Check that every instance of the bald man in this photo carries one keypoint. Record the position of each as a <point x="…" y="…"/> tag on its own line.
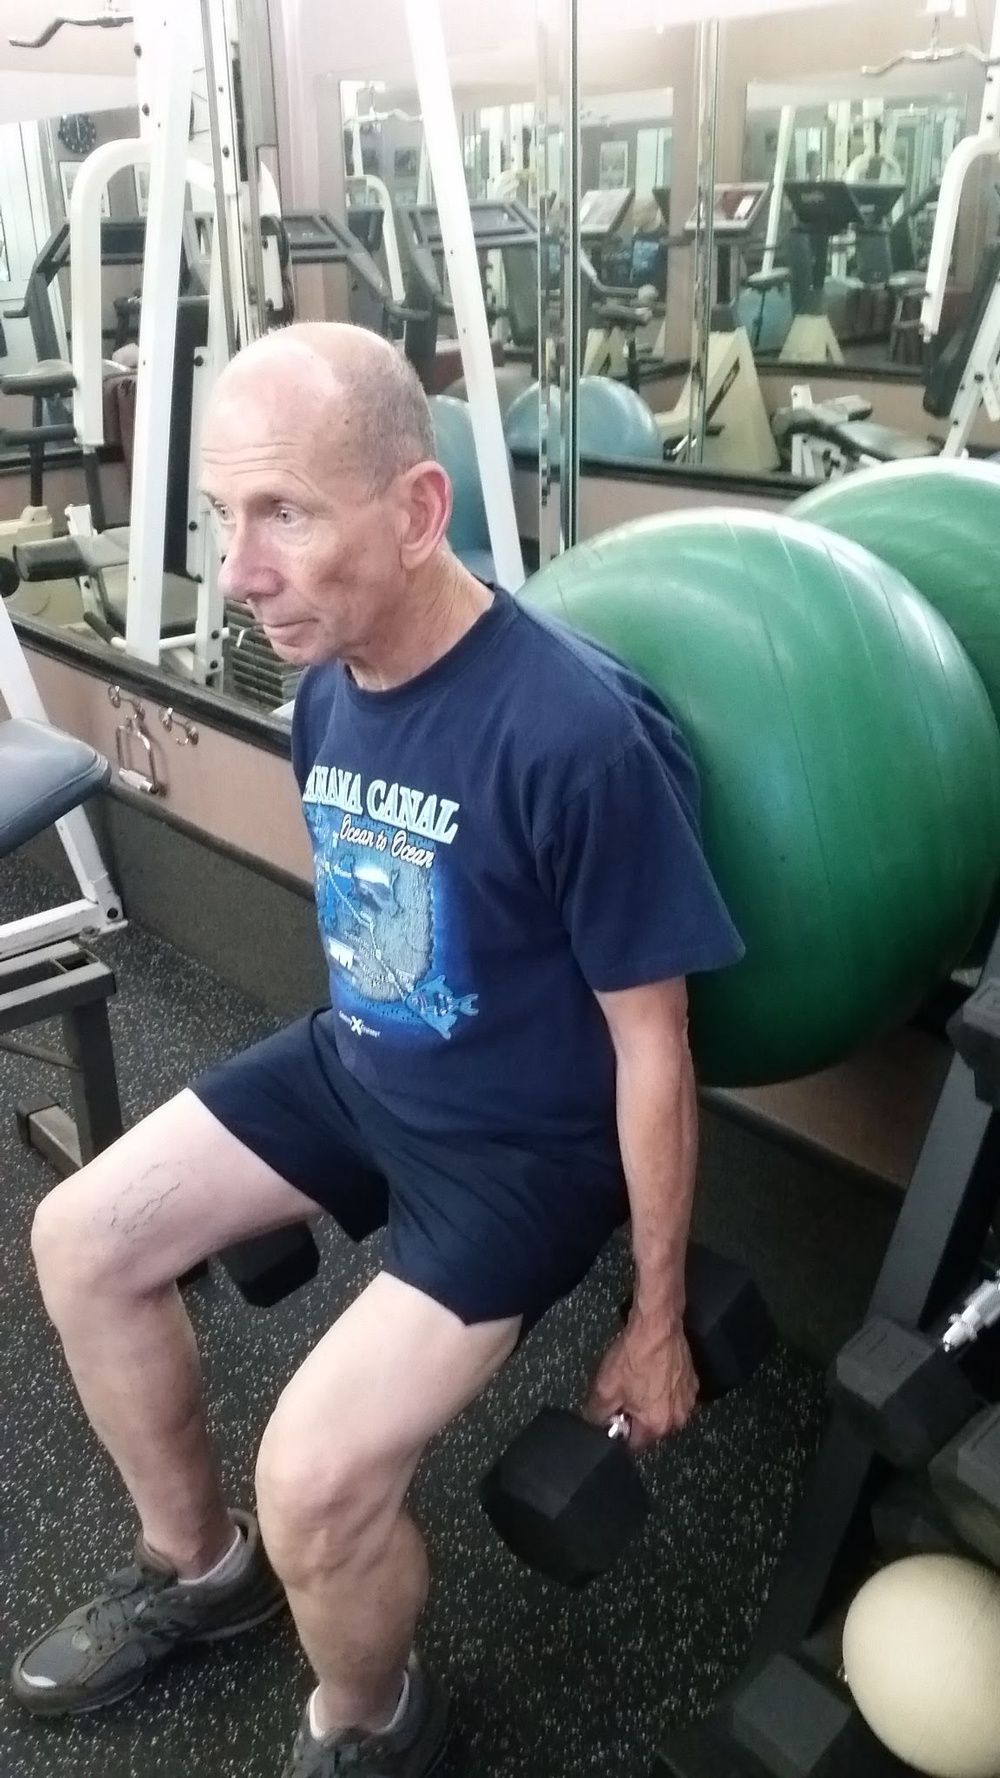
<point x="511" y="892"/>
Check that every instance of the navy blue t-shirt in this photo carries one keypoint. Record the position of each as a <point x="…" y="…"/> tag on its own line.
<point x="494" y="840"/>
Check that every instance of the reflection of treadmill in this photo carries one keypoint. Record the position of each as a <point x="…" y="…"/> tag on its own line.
<point x="825" y="208"/>
<point x="737" y="429"/>
<point x="316" y="238"/>
<point x="602" y="215"/>
<point x="872" y="243"/>
<point x="735" y="210"/>
<point x="620" y="286"/>
<point x="603" y="212"/>
<point x="367" y="224"/>
<point x="875" y="200"/>
<point x="498" y="225"/>
<point x="122" y="243"/>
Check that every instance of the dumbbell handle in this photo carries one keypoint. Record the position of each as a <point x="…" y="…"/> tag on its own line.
<point x="979" y="1313"/>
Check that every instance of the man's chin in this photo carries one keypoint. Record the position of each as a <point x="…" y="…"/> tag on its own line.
<point x="292" y="642"/>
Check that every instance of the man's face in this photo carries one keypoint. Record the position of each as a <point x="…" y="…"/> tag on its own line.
<point x="306" y="545"/>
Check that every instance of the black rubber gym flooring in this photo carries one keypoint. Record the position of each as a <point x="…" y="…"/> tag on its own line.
<point x="547" y="1684"/>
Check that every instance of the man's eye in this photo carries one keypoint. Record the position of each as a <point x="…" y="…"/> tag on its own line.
<point x="287" y="515"/>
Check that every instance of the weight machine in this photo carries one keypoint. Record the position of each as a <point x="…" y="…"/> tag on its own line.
<point x="98" y="908"/>
<point x="241" y="293"/>
<point x="980" y="381"/>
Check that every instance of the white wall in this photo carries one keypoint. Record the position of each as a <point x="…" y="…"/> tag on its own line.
<point x="72" y="52"/>
<point x="27" y="97"/>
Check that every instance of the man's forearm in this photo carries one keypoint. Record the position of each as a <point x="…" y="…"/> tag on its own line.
<point x="658" y="1133"/>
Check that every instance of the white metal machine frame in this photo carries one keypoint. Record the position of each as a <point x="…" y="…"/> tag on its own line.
<point x="980" y="386"/>
<point x="99" y="906"/>
<point x="169" y="47"/>
<point x="444" y="151"/>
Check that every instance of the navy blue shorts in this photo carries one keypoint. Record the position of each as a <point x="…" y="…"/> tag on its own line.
<point x="489" y="1229"/>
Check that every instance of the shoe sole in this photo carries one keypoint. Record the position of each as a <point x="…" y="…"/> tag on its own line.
<point x="40" y="1704"/>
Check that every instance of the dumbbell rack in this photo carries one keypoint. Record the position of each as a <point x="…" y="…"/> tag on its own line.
<point x="940" y="1233"/>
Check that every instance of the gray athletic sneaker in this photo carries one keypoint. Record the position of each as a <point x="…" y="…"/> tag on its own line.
<point x="105" y="1650"/>
<point x="411" y="1751"/>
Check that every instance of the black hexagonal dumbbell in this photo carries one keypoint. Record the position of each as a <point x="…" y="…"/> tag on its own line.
<point x="965" y="1477"/>
<point x="908" y="1520"/>
<point x="565" y="1496"/>
<point x="903" y="1390"/>
<point x="797" y="1720"/>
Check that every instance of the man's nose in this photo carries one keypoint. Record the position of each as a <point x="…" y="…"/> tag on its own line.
<point x="243" y="575"/>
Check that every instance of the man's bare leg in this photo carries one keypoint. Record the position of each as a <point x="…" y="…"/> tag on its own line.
<point x="335" y="1464"/>
<point x="109" y="1243"/>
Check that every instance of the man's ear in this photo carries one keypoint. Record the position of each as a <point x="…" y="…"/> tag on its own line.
<point x="427" y="502"/>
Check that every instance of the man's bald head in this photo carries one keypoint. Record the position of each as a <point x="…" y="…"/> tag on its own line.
<point x="357" y="397"/>
<point x="331" y="512"/>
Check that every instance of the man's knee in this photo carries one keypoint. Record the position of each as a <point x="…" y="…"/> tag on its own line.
<point x="73" y="1252"/>
<point x="324" y="1492"/>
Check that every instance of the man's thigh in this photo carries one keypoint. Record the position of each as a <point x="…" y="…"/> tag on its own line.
<point x="392" y="1372"/>
<point x="173" y="1190"/>
<point x="258" y="1143"/>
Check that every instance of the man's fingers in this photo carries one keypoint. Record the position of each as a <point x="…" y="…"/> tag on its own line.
<point x="599" y="1409"/>
<point x="647" y="1433"/>
<point x="641" y="1438"/>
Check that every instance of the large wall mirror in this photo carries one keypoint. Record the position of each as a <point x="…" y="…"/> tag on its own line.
<point x="782" y="285"/>
<point x="859" y="177"/>
<point x="702" y="248"/>
<point x="40" y="160"/>
<point x="620" y="190"/>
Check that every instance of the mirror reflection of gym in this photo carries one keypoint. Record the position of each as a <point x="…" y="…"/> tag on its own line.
<point x="865" y="296"/>
<point x="835" y="337"/>
<point x="809" y="361"/>
<point x="858" y="180"/>
<point x="39" y="163"/>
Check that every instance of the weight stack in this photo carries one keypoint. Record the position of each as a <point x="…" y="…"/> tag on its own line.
<point x="254" y="673"/>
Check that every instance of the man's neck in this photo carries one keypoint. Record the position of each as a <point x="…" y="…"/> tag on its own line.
<point x="441" y="612"/>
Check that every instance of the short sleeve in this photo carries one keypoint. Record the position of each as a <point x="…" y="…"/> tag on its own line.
<point x="624" y="864"/>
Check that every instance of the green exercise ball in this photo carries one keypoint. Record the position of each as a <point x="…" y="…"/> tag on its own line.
<point x="849" y="761"/>
<point x="938" y="521"/>
<point x="455" y="449"/>
<point x="612" y="422"/>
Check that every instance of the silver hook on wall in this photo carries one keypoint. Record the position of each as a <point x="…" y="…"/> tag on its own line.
<point x="108" y="20"/>
<point x="936" y="51"/>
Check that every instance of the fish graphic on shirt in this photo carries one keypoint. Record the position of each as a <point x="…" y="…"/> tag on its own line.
<point x="435" y="1003"/>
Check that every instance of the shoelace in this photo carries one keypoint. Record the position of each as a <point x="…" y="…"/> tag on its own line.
<point x="114" y="1613"/>
<point x="345" y="1757"/>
